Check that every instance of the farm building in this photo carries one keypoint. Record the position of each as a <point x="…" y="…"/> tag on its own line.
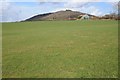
<point x="85" y="17"/>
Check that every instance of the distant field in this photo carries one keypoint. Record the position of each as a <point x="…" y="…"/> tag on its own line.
<point x="82" y="49"/>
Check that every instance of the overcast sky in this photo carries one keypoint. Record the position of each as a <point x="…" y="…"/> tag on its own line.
<point x="17" y="10"/>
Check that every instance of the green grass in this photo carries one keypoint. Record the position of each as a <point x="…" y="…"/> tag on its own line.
<point x="0" y="51"/>
<point x="60" y="49"/>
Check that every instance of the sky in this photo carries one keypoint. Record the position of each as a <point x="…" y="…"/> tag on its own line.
<point x="17" y="10"/>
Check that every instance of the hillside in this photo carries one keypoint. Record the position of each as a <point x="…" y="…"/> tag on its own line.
<point x="59" y="15"/>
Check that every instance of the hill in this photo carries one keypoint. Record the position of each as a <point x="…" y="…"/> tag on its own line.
<point x="60" y="15"/>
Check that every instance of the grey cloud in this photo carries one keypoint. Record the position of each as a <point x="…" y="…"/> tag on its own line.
<point x="9" y="12"/>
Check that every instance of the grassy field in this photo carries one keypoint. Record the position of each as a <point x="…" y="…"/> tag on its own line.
<point x="60" y="49"/>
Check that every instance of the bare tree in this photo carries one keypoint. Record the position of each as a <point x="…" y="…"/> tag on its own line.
<point x="118" y="7"/>
<point x="116" y="11"/>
